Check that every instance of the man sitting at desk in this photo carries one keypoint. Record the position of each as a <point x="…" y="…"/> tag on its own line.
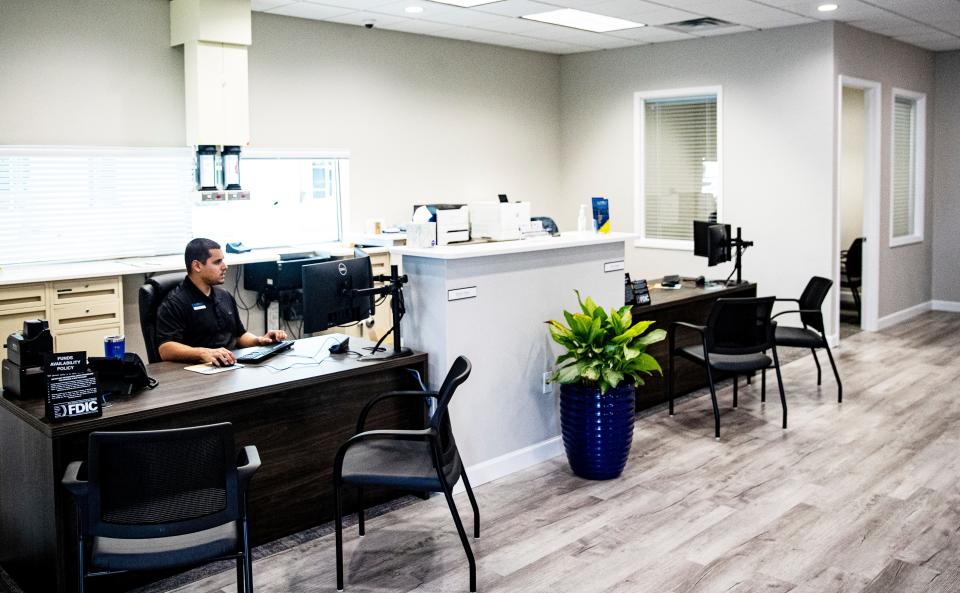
<point x="198" y="322"/>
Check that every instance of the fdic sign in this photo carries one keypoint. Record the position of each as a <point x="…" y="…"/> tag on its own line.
<point x="72" y="391"/>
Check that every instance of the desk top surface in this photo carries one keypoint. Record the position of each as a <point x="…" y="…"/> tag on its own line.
<point x="662" y="298"/>
<point x="181" y="390"/>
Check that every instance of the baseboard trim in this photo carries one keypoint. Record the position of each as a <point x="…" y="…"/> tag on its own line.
<point x="951" y="306"/>
<point x="514" y="461"/>
<point x="901" y="316"/>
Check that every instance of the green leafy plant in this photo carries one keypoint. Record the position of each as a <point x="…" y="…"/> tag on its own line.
<point x="603" y="349"/>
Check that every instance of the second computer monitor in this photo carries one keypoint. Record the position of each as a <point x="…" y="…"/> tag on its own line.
<point x="712" y="241"/>
<point x="327" y="298"/>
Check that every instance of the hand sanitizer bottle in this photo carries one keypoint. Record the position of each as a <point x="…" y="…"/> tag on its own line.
<point x="583" y="219"/>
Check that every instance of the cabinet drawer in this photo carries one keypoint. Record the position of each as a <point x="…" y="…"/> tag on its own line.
<point x="21" y="297"/>
<point x="89" y="341"/>
<point x="80" y="315"/>
<point x="72" y="291"/>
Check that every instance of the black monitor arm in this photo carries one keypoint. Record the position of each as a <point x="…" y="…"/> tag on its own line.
<point x="740" y="245"/>
<point x="392" y="286"/>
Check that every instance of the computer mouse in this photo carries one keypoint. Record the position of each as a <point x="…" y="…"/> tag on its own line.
<point x="340" y="347"/>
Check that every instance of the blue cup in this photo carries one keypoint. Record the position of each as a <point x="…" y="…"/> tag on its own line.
<point x="114" y="347"/>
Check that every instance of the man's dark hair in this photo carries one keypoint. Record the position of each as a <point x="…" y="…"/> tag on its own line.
<point x="199" y="250"/>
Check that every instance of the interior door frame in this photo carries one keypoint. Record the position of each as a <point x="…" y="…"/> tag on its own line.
<point x="870" y="297"/>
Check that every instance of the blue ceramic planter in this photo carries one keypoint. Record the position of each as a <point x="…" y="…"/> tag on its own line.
<point x="597" y="429"/>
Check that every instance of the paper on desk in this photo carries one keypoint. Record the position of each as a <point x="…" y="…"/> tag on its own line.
<point x="208" y="368"/>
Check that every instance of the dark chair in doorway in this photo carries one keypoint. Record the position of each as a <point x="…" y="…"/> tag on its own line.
<point x="812" y="334"/>
<point x="162" y="499"/>
<point x="734" y="341"/>
<point x="151" y="295"/>
<point x="415" y="460"/>
<point x="851" y="271"/>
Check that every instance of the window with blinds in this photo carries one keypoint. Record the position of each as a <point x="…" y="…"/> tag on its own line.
<point x="906" y="217"/>
<point x="679" y="164"/>
<point x="88" y="203"/>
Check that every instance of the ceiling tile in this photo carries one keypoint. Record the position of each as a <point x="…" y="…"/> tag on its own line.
<point x="362" y="17"/>
<point x="414" y="26"/>
<point x="652" y="35"/>
<point x="308" y="10"/>
<point x="556" y="47"/>
<point x="263" y="5"/>
<point x="724" y="31"/>
<point x="351" y="4"/>
<point x="516" y="7"/>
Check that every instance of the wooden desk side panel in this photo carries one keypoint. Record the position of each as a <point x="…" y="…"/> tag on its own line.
<point x="687" y="375"/>
<point x="28" y="526"/>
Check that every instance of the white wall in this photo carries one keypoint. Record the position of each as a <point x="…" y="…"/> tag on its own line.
<point x="905" y="272"/>
<point x="777" y="127"/>
<point x="946" y="180"/>
<point x="852" y="154"/>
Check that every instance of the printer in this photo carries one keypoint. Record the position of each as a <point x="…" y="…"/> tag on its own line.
<point x="453" y="222"/>
<point x="499" y="221"/>
<point x="22" y="369"/>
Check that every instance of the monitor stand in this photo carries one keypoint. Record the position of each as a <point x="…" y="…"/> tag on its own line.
<point x="393" y="285"/>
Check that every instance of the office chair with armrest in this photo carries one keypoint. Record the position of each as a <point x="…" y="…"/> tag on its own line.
<point x="734" y="341"/>
<point x="162" y="499"/>
<point x="812" y="335"/>
<point x="415" y="460"/>
<point x="150" y="296"/>
<point x="851" y="271"/>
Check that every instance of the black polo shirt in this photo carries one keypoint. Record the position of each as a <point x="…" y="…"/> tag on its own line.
<point x="190" y="317"/>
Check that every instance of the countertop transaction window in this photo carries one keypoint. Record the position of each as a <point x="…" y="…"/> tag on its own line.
<point x="678" y="164"/>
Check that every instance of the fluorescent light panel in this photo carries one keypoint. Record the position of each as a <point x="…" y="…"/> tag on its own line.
<point x="586" y="21"/>
<point x="466" y="3"/>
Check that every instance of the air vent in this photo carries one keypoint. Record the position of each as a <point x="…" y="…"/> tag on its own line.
<point x="706" y="23"/>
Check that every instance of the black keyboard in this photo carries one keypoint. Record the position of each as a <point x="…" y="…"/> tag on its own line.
<point x="261" y="353"/>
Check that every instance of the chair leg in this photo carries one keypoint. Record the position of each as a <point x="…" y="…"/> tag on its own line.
<point x="360" y="513"/>
<point x="81" y="578"/>
<point x="339" y="537"/>
<point x="716" y="409"/>
<point x="856" y="301"/>
<point x="668" y="384"/>
<point x="247" y="557"/>
<point x="763" y="386"/>
<point x="473" y="503"/>
<point x="783" y="397"/>
<point x="736" y="380"/>
<point x="750" y="379"/>
<point x="463" y="536"/>
<point x="241" y="575"/>
<point x="835" y="372"/>
<point x="816" y="360"/>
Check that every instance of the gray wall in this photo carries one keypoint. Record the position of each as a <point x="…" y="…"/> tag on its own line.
<point x="776" y="120"/>
<point x="905" y="271"/>
<point x="946" y="179"/>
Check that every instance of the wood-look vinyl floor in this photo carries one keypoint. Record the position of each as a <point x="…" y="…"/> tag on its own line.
<point x="862" y="497"/>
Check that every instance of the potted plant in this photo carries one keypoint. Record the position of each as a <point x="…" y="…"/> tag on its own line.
<point x="605" y="358"/>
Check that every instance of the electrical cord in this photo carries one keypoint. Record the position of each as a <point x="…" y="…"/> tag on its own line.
<point x="732" y="272"/>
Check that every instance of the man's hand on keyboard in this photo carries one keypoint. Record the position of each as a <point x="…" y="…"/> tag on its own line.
<point x="273" y="336"/>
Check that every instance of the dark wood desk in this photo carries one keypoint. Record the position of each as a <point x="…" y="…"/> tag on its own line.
<point x="296" y="417"/>
<point x="689" y="303"/>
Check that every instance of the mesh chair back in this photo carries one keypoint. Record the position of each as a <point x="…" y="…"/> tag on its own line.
<point x="812" y="298"/>
<point x="162" y="482"/>
<point x="440" y="421"/>
<point x="854" y="265"/>
<point x="150" y="296"/>
<point x="740" y="326"/>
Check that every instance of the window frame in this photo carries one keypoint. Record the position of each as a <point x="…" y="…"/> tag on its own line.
<point x="639" y="128"/>
<point x="919" y="161"/>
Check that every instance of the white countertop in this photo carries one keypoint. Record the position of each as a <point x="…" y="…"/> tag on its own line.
<point x="51" y="272"/>
<point x="566" y="240"/>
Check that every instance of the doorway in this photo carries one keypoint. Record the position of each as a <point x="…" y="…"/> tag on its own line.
<point x="856" y="271"/>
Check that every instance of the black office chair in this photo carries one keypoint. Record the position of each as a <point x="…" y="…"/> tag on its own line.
<point x="734" y="341"/>
<point x="812" y="334"/>
<point x="162" y="499"/>
<point x="151" y="295"/>
<point x="416" y="460"/>
<point x="851" y="271"/>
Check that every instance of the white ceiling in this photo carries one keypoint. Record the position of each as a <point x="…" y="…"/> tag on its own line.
<point x="930" y="24"/>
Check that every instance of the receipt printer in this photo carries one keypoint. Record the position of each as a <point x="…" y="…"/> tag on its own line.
<point x="22" y="372"/>
<point x="499" y="221"/>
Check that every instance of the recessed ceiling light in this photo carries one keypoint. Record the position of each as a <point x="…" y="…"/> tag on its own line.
<point x="827" y="7"/>
<point x="414" y="9"/>
<point x="579" y="19"/>
<point x="466" y="3"/>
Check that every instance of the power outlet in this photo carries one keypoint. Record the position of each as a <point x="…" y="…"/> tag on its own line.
<point x="546" y="387"/>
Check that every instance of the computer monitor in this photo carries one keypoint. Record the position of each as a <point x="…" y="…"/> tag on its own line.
<point x="327" y="300"/>
<point x="712" y="241"/>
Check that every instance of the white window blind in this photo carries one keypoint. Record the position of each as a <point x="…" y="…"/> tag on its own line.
<point x="88" y="203"/>
<point x="904" y="167"/>
<point x="680" y="165"/>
